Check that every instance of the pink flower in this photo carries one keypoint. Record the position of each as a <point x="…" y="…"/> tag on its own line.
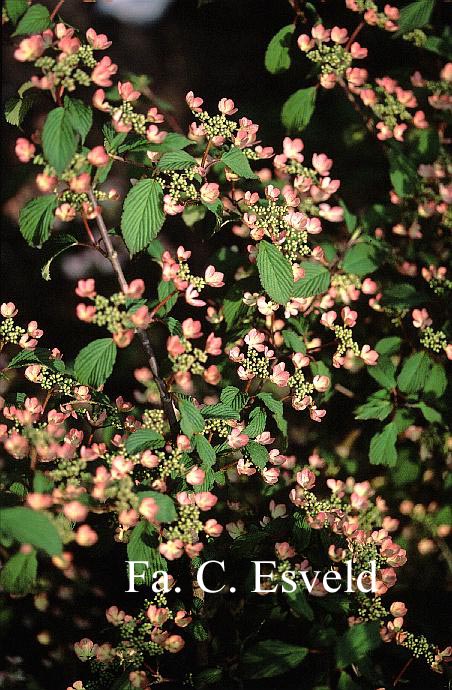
<point x="75" y="511"/>
<point x="103" y="71"/>
<point x="195" y="476"/>
<point x="191" y="329"/>
<point x="421" y="318"/>
<point x="349" y="316"/>
<point x="46" y="183"/>
<point x="270" y="475"/>
<point x="213" y="345"/>
<point x="339" y="35"/>
<point x="328" y="319"/>
<point x="24" y="150"/>
<point x="279" y="376"/>
<point x="213" y="277"/>
<point x="86" y="536"/>
<point x="30" y="49"/>
<point x="149" y="509"/>
<point x="419" y="120"/>
<point x="173" y="644"/>
<point x="284" y="550"/>
<point x="97" y="41"/>
<point x="98" y="156"/>
<point x="321" y="383"/>
<point x="370" y="357"/>
<point x="194" y="102"/>
<point x="237" y="439"/>
<point x="127" y="92"/>
<point x="305" y="43"/>
<point x="210" y="191"/>
<point x="212" y="375"/>
<point x="175" y="346"/>
<point x="8" y="310"/>
<point x="320" y="33"/>
<point x="292" y="148"/>
<point x="357" y="51"/>
<point x="398" y="609"/>
<point x="321" y="163"/>
<point x="227" y="106"/>
<point x="135" y="289"/>
<point x="172" y="550"/>
<point x="306" y="478"/>
<point x="81" y="183"/>
<point x="255" y="340"/>
<point x="315" y="414"/>
<point x="65" y="213"/>
<point x="399" y="131"/>
<point x="356" y="76"/>
<point x="86" y="288"/>
<point x="99" y="101"/>
<point x="85" y="649"/>
<point x="157" y="615"/>
<point x="328" y="81"/>
<point x="205" y="500"/>
<point x="69" y="45"/>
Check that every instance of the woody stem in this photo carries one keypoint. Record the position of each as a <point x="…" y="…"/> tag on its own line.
<point x="112" y="256"/>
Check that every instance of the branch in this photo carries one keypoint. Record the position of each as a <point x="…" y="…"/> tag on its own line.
<point x="112" y="256"/>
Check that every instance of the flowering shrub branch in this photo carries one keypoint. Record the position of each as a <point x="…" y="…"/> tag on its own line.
<point x="280" y="323"/>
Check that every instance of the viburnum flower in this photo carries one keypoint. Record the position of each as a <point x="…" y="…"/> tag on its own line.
<point x="97" y="41"/>
<point x="421" y="318"/>
<point x="30" y="49"/>
<point x="25" y="150"/>
<point x="104" y="70"/>
<point x="237" y="439"/>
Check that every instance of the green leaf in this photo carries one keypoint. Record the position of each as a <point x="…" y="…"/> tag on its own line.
<point x="436" y="383"/>
<point x="35" y="20"/>
<point x="167" y="510"/>
<point x="36" y="219"/>
<point x="17" y="108"/>
<point x="389" y="346"/>
<point x="270" y="658"/>
<point x="193" y="214"/>
<point x="191" y="420"/>
<point x="236" y="160"/>
<point x="18" y="575"/>
<point x="15" y="9"/>
<point x="29" y="526"/>
<point x="258" y="454"/>
<point x="441" y="45"/>
<point x="142" y="546"/>
<point x="383" y="447"/>
<point x="256" y="423"/>
<point x="383" y="373"/>
<point x="351" y="221"/>
<point x="80" y="116"/>
<point x="95" y="362"/>
<point x="59" y="141"/>
<point x="38" y="356"/>
<point x="276" y="407"/>
<point x="220" y="411"/>
<point x="277" y="58"/>
<point x="357" y="643"/>
<point x="205" y="451"/>
<point x="164" y="290"/>
<point x="316" y="280"/>
<point x="414" y="16"/>
<point x="361" y="259"/>
<point x="142" y="215"/>
<point x="403" y="173"/>
<point x="232" y="396"/>
<point x="275" y="272"/>
<point x="293" y="341"/>
<point x="298" y="602"/>
<point x="298" y="109"/>
<point x="415" y="373"/>
<point x="430" y="414"/>
<point x="176" y="160"/>
<point x="142" y="439"/>
<point x="61" y="243"/>
<point x="374" y="408"/>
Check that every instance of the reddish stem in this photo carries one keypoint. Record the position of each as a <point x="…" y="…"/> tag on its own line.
<point x="56" y="10"/>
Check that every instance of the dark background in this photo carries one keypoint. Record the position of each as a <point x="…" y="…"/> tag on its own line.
<point x="217" y="50"/>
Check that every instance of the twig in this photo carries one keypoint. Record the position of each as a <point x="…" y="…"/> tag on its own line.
<point x="354" y="35"/>
<point x="112" y="256"/>
<point x="401" y="673"/>
<point x="56" y="10"/>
